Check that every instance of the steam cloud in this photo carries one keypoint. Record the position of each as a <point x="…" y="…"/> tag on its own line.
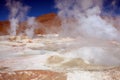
<point x="82" y="19"/>
<point x="87" y="19"/>
<point x="18" y="13"/>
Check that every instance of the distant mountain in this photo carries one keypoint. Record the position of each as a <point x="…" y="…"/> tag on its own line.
<point x="47" y="23"/>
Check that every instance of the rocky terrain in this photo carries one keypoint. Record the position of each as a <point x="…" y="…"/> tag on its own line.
<point x="45" y="57"/>
<point x="49" y="56"/>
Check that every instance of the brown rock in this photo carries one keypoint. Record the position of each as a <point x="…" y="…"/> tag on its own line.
<point x="32" y="75"/>
<point x="4" y="27"/>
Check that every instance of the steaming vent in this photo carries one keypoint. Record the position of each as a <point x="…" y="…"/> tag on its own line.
<point x="97" y="40"/>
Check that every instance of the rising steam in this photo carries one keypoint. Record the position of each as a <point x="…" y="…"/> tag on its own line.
<point x="82" y="19"/>
<point x="18" y="13"/>
<point x="87" y="19"/>
<point x="31" y="25"/>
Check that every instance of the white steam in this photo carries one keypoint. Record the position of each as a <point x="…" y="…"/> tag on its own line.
<point x="31" y="25"/>
<point x="17" y="14"/>
<point x="14" y="25"/>
<point x="87" y="19"/>
<point x="82" y="19"/>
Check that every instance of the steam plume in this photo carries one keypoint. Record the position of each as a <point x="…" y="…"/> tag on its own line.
<point x="31" y="25"/>
<point x="87" y="19"/>
<point x="17" y="14"/>
<point x="82" y="19"/>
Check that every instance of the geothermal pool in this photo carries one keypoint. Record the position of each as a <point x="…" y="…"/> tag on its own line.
<point x="76" y="57"/>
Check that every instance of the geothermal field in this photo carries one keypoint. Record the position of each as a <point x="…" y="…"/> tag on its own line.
<point x="58" y="54"/>
<point x="76" y="43"/>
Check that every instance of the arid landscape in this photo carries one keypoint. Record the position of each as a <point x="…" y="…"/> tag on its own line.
<point x="76" y="43"/>
<point x="48" y="56"/>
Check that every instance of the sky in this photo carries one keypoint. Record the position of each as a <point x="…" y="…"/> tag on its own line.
<point x="112" y="7"/>
<point x="37" y="8"/>
<point x="40" y="7"/>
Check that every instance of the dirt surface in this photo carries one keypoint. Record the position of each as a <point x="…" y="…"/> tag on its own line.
<point x="32" y="75"/>
<point x="50" y="57"/>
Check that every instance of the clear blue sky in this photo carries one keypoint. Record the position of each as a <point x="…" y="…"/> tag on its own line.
<point x="39" y="7"/>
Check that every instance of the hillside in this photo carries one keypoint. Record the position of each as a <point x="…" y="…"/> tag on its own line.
<point x="47" y="23"/>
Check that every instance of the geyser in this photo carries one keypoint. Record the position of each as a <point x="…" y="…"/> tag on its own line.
<point x="18" y="14"/>
<point x="82" y="19"/>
